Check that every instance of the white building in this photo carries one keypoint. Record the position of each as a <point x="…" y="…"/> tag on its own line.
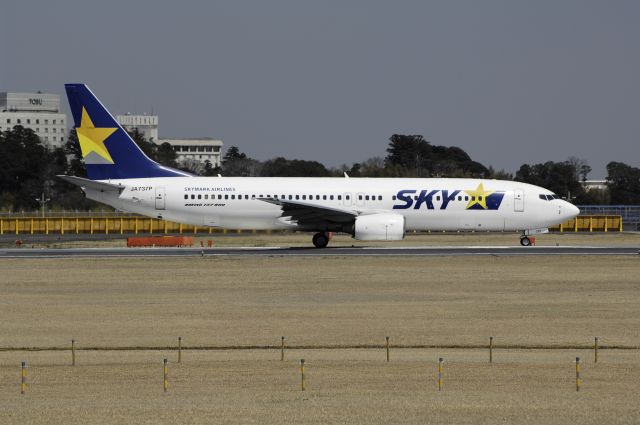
<point x="198" y="149"/>
<point x="201" y="149"/>
<point x="147" y="125"/>
<point x="595" y="184"/>
<point x="38" y="111"/>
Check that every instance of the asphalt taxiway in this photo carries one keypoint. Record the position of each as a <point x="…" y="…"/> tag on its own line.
<point x="304" y="251"/>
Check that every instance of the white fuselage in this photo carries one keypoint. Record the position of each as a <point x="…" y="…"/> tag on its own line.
<point x="426" y="204"/>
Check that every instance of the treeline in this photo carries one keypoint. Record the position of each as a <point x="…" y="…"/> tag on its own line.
<point x="28" y="168"/>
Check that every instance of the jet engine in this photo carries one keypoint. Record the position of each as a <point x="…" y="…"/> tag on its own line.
<point x="379" y="227"/>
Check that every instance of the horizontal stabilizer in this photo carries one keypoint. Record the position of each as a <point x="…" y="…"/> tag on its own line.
<point x="93" y="185"/>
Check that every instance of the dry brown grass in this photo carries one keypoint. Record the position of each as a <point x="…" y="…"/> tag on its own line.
<point x="550" y="300"/>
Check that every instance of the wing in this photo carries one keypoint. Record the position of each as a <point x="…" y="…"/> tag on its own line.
<point x="309" y="214"/>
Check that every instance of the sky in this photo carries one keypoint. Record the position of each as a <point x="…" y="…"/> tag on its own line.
<point x="510" y="82"/>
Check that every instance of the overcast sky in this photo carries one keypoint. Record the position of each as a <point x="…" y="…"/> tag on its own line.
<point x="508" y="81"/>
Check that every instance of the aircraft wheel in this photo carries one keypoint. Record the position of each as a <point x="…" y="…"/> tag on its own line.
<point x="320" y="240"/>
<point x="525" y="241"/>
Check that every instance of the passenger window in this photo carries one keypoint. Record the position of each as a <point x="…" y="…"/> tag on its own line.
<point x="324" y="197"/>
<point x="246" y="196"/>
<point x="193" y="196"/>
<point x="304" y="197"/>
<point x="297" y="197"/>
<point x="415" y="198"/>
<point x="366" y="198"/>
<point x="339" y="197"/>
<point x="479" y="198"/>
<point x="206" y="196"/>
<point x="317" y="197"/>
<point x="331" y="197"/>
<point x="437" y="198"/>
<point x="473" y="198"/>
<point x="360" y="197"/>
<point x="466" y="198"/>
<point x="379" y="197"/>
<point x="290" y="197"/>
<point x="186" y="196"/>
<point x="281" y="196"/>
<point x="393" y="197"/>
<point x="347" y="197"/>
<point x="226" y="196"/>
<point x="459" y="198"/>
<point x="233" y="196"/>
<point x="253" y="196"/>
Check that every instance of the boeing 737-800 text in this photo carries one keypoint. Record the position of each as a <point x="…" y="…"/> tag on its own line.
<point x="369" y="209"/>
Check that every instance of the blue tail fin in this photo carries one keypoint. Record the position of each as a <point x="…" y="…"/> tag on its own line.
<point x="108" y="151"/>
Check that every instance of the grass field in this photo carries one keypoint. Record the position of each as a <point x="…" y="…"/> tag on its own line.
<point x="549" y="301"/>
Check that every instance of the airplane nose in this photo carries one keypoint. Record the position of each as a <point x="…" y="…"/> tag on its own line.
<point x="570" y="210"/>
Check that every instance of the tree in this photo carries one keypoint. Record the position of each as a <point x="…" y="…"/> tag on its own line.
<point x="28" y="168"/>
<point x="559" y="177"/>
<point x="499" y="174"/>
<point x="624" y="183"/>
<point x="233" y="154"/>
<point x="236" y="163"/>
<point x="282" y="167"/>
<point x="193" y="166"/>
<point x="166" y="155"/>
<point x="23" y="167"/>
<point x="210" y="170"/>
<point x="149" y="148"/>
<point x="581" y="167"/>
<point x="74" y="154"/>
<point x="414" y="156"/>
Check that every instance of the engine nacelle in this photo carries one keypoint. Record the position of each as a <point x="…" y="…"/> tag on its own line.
<point x="379" y="227"/>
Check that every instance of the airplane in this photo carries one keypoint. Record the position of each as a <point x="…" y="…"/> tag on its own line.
<point x="368" y="209"/>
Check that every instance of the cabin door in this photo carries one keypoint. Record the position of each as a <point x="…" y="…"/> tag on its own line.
<point x="518" y="201"/>
<point x="160" y="204"/>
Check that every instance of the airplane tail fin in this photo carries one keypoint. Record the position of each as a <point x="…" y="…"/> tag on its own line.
<point x="108" y="151"/>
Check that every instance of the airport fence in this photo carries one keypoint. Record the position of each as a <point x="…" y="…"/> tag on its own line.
<point x="493" y="350"/>
<point x="629" y="214"/>
<point x="134" y="225"/>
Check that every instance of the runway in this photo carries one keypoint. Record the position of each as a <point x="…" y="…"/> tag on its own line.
<point x="308" y="252"/>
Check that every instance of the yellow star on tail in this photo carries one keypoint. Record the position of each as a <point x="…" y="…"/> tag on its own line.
<point x="478" y="196"/>
<point x="92" y="138"/>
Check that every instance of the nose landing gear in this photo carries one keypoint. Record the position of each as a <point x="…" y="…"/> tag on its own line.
<point x="525" y="241"/>
<point x="320" y="240"/>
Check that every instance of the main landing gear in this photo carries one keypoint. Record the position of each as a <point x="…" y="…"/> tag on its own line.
<point x="525" y="241"/>
<point x="320" y="240"/>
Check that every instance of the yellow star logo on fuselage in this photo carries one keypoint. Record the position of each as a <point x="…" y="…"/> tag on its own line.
<point x="478" y="196"/>
<point x="92" y="138"/>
